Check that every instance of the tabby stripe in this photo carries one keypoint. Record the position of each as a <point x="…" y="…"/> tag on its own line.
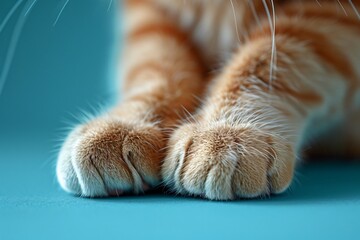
<point x="135" y="3"/>
<point x="162" y="29"/>
<point x="328" y="14"/>
<point x="169" y="31"/>
<point x="319" y="44"/>
<point x="280" y="87"/>
<point x="324" y="49"/>
<point x="148" y="66"/>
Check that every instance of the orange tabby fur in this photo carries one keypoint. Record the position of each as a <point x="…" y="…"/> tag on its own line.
<point x="266" y="86"/>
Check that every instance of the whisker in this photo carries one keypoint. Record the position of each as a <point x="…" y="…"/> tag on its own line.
<point x="273" y="51"/>
<point x="235" y="21"/>
<point x="61" y="11"/>
<point x="317" y="1"/>
<point x="110" y="5"/>
<point x="355" y="10"/>
<point x="272" y="22"/>
<point x="14" y="37"/>
<point x="255" y="14"/>
<point x="342" y="7"/>
<point x="30" y="7"/>
<point x="9" y="15"/>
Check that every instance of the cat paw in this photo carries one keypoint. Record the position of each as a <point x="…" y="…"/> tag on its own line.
<point x="225" y="162"/>
<point x="107" y="157"/>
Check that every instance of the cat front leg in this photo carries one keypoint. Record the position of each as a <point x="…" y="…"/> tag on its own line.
<point x="245" y="140"/>
<point x="121" y="151"/>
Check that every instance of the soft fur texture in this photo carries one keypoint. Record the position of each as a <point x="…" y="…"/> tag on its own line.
<point x="220" y="97"/>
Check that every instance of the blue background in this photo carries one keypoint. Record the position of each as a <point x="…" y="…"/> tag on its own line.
<point x="60" y="70"/>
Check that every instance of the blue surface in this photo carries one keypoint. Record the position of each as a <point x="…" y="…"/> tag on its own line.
<point x="60" y="69"/>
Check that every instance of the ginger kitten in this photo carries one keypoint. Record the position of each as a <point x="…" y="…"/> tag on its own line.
<point x="220" y="97"/>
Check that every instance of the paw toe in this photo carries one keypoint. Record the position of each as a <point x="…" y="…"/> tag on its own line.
<point x="225" y="162"/>
<point x="107" y="158"/>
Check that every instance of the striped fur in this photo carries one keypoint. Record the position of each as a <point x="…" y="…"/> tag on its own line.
<point x="220" y="98"/>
